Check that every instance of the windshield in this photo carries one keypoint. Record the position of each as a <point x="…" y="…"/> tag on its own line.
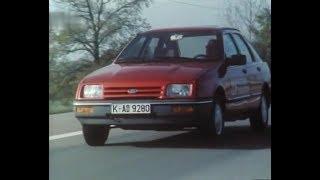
<point x="171" y="46"/>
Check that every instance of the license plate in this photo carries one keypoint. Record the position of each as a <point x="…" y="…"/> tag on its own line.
<point x="130" y="109"/>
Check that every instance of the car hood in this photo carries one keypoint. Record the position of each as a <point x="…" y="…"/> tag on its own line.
<point x="151" y="73"/>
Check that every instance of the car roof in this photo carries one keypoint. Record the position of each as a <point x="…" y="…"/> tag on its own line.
<point x="190" y="29"/>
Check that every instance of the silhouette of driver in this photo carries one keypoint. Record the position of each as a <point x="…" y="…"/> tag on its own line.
<point x="211" y="48"/>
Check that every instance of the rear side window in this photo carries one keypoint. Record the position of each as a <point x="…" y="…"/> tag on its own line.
<point x="254" y="52"/>
<point x="243" y="48"/>
<point x="229" y="47"/>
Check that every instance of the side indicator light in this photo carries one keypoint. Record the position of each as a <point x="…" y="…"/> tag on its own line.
<point x="182" y="109"/>
<point x="84" y="110"/>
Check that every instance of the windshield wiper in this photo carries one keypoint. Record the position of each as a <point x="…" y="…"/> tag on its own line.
<point x="172" y="58"/>
<point x="130" y="60"/>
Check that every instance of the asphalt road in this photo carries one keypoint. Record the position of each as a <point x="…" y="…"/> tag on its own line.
<point x="239" y="155"/>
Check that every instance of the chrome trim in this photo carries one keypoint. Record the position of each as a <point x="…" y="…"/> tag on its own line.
<point x="256" y="94"/>
<point x="244" y="96"/>
<point x="80" y="103"/>
<point x="239" y="97"/>
<point x="132" y="91"/>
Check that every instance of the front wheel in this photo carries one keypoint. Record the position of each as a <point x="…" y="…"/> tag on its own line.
<point x="259" y="121"/>
<point x="95" y="135"/>
<point x="214" y="126"/>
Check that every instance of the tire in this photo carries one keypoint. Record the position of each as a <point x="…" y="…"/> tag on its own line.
<point x="95" y="135"/>
<point x="214" y="125"/>
<point x="259" y="121"/>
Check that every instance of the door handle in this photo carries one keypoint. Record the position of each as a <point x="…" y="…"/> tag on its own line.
<point x="259" y="69"/>
<point x="244" y="71"/>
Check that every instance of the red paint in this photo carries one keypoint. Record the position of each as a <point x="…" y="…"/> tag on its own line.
<point x="157" y="75"/>
<point x="240" y="89"/>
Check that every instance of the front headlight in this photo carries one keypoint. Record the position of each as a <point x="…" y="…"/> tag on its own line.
<point x="93" y="91"/>
<point x="179" y="90"/>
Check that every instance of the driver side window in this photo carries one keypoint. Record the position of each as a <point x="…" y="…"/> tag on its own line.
<point x="229" y="47"/>
<point x="242" y="47"/>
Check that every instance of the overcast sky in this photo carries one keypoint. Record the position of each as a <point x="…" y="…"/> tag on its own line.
<point x="169" y="13"/>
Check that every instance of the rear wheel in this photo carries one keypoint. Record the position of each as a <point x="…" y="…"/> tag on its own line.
<point x="214" y="126"/>
<point x="259" y="121"/>
<point x="95" y="135"/>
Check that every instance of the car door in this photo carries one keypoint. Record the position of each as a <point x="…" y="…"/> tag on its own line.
<point x="254" y="66"/>
<point x="257" y="69"/>
<point x="237" y="83"/>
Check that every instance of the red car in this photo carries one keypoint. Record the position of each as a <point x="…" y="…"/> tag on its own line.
<point x="176" y="78"/>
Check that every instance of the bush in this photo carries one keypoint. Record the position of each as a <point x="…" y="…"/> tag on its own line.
<point x="63" y="81"/>
<point x="60" y="106"/>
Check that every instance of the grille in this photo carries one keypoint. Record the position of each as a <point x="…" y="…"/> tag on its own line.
<point x="141" y="92"/>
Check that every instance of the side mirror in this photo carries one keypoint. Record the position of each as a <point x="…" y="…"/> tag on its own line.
<point x="236" y="60"/>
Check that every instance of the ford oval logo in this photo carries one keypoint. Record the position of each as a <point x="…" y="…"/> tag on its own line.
<point x="132" y="91"/>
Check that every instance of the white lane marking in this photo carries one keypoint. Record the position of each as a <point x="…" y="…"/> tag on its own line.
<point x="54" y="137"/>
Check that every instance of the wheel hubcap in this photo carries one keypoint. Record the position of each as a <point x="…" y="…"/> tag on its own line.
<point x="264" y="110"/>
<point x="218" y="120"/>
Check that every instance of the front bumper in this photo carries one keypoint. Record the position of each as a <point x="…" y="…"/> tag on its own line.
<point x="162" y="113"/>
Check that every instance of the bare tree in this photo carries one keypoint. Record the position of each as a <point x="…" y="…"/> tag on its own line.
<point x="243" y="15"/>
<point x="104" y="22"/>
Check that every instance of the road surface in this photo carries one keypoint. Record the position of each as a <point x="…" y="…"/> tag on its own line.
<point x="150" y="155"/>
